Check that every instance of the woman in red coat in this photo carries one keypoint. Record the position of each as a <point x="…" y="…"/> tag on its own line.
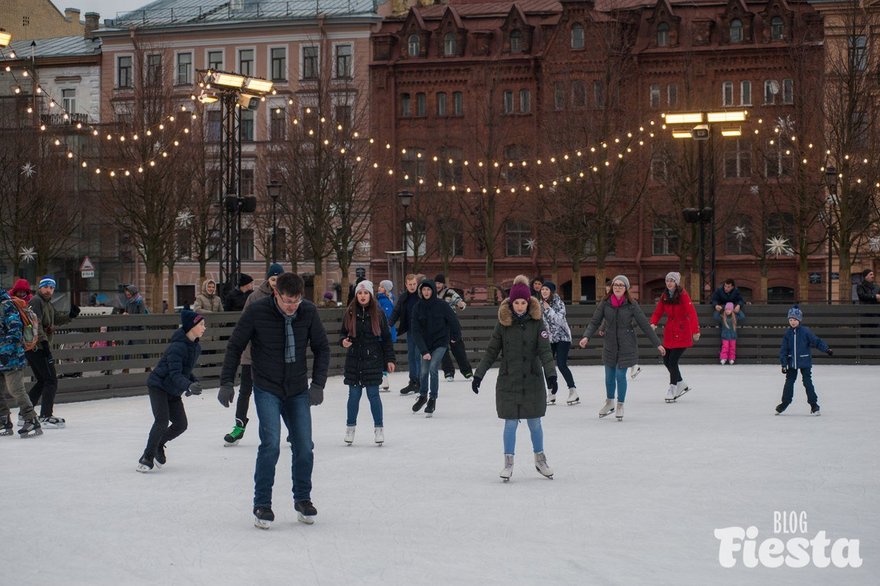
<point x="681" y="331"/>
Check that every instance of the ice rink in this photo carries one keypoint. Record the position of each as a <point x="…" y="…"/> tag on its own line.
<point x="632" y="502"/>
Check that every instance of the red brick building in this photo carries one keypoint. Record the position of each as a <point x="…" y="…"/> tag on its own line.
<point x="531" y="136"/>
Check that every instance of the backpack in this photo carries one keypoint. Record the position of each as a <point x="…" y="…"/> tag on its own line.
<point x="30" y="324"/>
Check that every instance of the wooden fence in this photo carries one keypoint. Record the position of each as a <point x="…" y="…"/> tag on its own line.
<point x="136" y="342"/>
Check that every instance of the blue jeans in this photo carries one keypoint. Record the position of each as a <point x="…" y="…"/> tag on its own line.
<point x="430" y="368"/>
<point x="414" y="359"/>
<point x="297" y="416"/>
<point x="806" y="379"/>
<point x="535" y="430"/>
<point x="354" y="403"/>
<point x="560" y="353"/>
<point x="614" y="375"/>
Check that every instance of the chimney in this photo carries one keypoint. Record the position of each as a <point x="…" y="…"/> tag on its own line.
<point x="72" y="14"/>
<point x="93" y="23"/>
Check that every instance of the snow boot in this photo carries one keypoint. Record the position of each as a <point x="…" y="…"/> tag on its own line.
<point x="607" y="408"/>
<point x="542" y="466"/>
<point x="670" y="394"/>
<point x="573" y="398"/>
<point x="30" y="428"/>
<point x="306" y="512"/>
<point x="619" y="413"/>
<point x="507" y="472"/>
<point x="233" y="437"/>
<point x="420" y="402"/>
<point x="379" y="435"/>
<point x="349" y="434"/>
<point x="429" y="408"/>
<point x="263" y="517"/>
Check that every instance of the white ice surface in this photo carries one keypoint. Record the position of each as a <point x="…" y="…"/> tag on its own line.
<point x="634" y="502"/>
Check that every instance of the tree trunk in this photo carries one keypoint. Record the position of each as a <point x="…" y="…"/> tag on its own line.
<point x="170" y="282"/>
<point x="803" y="280"/>
<point x="318" y="285"/>
<point x="154" y="290"/>
<point x="600" y="281"/>
<point x="695" y="286"/>
<point x="576" y="282"/>
<point x="762" y="293"/>
<point x="844" y="284"/>
<point x="491" y="294"/>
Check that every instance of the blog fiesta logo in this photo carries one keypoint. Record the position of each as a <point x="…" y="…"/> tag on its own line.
<point x="791" y="546"/>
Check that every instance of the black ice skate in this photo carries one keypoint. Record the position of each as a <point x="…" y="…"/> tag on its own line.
<point x="30" y="428"/>
<point x="429" y="408"/>
<point x="263" y="517"/>
<point x="305" y="512"/>
<point x="420" y="402"/>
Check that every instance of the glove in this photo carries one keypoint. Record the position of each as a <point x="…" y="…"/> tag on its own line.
<point x="475" y="384"/>
<point x="194" y="389"/>
<point x="829" y="352"/>
<point x="784" y="369"/>
<point x="226" y="394"/>
<point x="316" y="394"/>
<point x="552" y="383"/>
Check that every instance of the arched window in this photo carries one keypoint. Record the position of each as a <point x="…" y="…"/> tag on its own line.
<point x="516" y="41"/>
<point x="662" y="35"/>
<point x="736" y="31"/>
<point x="777" y="28"/>
<point x="415" y="45"/>
<point x="449" y="45"/>
<point x="577" y="36"/>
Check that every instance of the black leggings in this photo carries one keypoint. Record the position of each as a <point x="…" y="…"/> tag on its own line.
<point x="244" y="393"/>
<point x="166" y="408"/>
<point x="43" y="366"/>
<point x="673" y="355"/>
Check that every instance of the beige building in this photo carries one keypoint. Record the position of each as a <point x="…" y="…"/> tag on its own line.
<point x="39" y="19"/>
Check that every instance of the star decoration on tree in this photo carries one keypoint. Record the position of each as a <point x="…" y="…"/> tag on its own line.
<point x="739" y="232"/>
<point x="184" y="218"/>
<point x="531" y="244"/>
<point x="28" y="169"/>
<point x="779" y="246"/>
<point x="28" y="254"/>
<point x="874" y="243"/>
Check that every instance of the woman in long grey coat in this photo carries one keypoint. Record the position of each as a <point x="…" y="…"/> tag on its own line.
<point x="621" y="350"/>
<point x="526" y="360"/>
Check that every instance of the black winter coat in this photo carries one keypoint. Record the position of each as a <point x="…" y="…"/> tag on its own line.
<point x="402" y="314"/>
<point x="262" y="324"/>
<point x="235" y="300"/>
<point x="720" y="297"/>
<point x="368" y="355"/>
<point x="433" y="322"/>
<point x="174" y="373"/>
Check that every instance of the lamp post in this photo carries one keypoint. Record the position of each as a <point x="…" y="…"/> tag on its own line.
<point x="274" y="190"/>
<point x="405" y="199"/>
<point x="831" y="183"/>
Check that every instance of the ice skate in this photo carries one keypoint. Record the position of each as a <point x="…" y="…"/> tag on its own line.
<point x="542" y="466"/>
<point x="233" y="437"/>
<point x="607" y="409"/>
<point x="160" y="458"/>
<point x="305" y="512"/>
<point x="450" y="378"/>
<point x="573" y="398"/>
<point x="52" y="422"/>
<point x="429" y="408"/>
<point x="670" y="394"/>
<point x="349" y="434"/>
<point x="379" y="435"/>
<point x="412" y="387"/>
<point x="551" y="398"/>
<point x="145" y="464"/>
<point x="780" y="409"/>
<point x="619" y="413"/>
<point x="385" y="388"/>
<point x="6" y="427"/>
<point x="420" y="402"/>
<point x="681" y="388"/>
<point x="814" y="409"/>
<point x="30" y="428"/>
<point x="507" y="472"/>
<point x="263" y="517"/>
<point x="634" y="371"/>
<point x="731" y="361"/>
<point x="723" y="361"/>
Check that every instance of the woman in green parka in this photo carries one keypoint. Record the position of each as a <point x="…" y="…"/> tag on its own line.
<point x="526" y="360"/>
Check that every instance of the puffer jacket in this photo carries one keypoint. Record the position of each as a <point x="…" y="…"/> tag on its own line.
<point x="206" y="302"/>
<point x="174" y="373"/>
<point x="727" y="331"/>
<point x="796" y="344"/>
<point x="867" y="292"/>
<point x="49" y="317"/>
<point x="620" y="349"/>
<point x="526" y="361"/>
<point x="433" y="323"/>
<point x="261" y="292"/>
<point x="11" y="350"/>
<point x="388" y="307"/>
<point x="366" y="359"/>
<point x="681" y="319"/>
<point x="555" y="321"/>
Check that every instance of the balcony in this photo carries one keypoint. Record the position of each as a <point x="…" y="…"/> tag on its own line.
<point x="59" y="119"/>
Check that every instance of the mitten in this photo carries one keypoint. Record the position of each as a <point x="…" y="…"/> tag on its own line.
<point x="194" y="389"/>
<point x="316" y="394"/>
<point x="475" y="384"/>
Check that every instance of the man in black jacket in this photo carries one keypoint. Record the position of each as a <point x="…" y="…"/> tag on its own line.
<point x="279" y="328"/>
<point x="236" y="298"/>
<point x="727" y="293"/>
<point x="867" y="290"/>
<point x="401" y="318"/>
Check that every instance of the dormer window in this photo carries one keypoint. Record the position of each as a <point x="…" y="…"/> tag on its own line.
<point x="450" y="48"/>
<point x="516" y="44"/>
<point x="414" y="45"/>
<point x="736" y="31"/>
<point x="577" y="36"/>
<point x="777" y="28"/>
<point x="663" y="35"/>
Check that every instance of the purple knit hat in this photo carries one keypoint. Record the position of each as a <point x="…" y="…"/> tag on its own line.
<point x="520" y="291"/>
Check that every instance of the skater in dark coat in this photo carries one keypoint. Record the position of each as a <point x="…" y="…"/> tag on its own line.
<point x="366" y="336"/>
<point x="523" y="342"/>
<point x="402" y="316"/>
<point x="171" y="379"/>
<point x="794" y="355"/>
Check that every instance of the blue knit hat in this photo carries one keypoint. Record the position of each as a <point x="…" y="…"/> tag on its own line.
<point x="275" y="269"/>
<point x="796" y="313"/>
<point x="189" y="319"/>
<point x="47" y="281"/>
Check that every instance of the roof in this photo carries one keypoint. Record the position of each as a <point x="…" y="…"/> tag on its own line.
<point x="57" y="47"/>
<point x="189" y="12"/>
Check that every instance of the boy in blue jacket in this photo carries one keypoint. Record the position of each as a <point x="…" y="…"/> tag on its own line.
<point x="170" y="380"/>
<point x="795" y="355"/>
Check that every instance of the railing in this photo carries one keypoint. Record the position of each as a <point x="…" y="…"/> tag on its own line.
<point x="60" y="120"/>
<point x="242" y="10"/>
<point x="853" y="331"/>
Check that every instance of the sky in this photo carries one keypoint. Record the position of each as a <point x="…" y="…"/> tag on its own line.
<point x="106" y="8"/>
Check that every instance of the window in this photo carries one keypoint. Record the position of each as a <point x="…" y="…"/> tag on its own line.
<point x="405" y="105"/>
<point x="247" y="182"/>
<point x="771" y="88"/>
<point x="658" y="168"/>
<point x="654" y="95"/>
<point x="154" y="69"/>
<point x="414" y="164"/>
<point x="672" y="95"/>
<point x="68" y="101"/>
<point x="441" y="104"/>
<point x="277" y="124"/>
<point x="508" y="102"/>
<point x="516" y="42"/>
<point x="738" y="240"/>
<point x="421" y="104"/>
<point x="787" y="91"/>
<point x="451" y="168"/>
<point x="246" y="62"/>
<point x="213" y="124"/>
<point x="577" y="36"/>
<point x="512" y="170"/>
<point x="278" y="59"/>
<point x="780" y="159"/>
<point x="736" y="31"/>
<point x="781" y="224"/>
<point x="578" y="93"/>
<point x="516" y="234"/>
<point x="184" y="69"/>
<point x="450" y="236"/>
<point x="777" y="29"/>
<point x="558" y="96"/>
<point x="343" y="116"/>
<point x="599" y="93"/>
<point x="858" y="52"/>
<point x="662" y="35"/>
<point x="343" y="62"/>
<point x="310" y="62"/>
<point x="449" y="45"/>
<point x="414" y="46"/>
<point x="737" y="158"/>
<point x="281" y="243"/>
<point x="246" y="244"/>
<point x="525" y="101"/>
<point x="745" y="93"/>
<point x="247" y="125"/>
<point x="458" y="103"/>
<point x="727" y="93"/>
<point x="215" y="244"/>
<point x="664" y="237"/>
<point x="215" y="60"/>
<point x="416" y="238"/>
<point x="184" y="244"/>
<point x="123" y="72"/>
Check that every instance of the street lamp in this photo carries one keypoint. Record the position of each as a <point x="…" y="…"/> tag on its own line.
<point x="831" y="183"/>
<point x="405" y="199"/>
<point x="274" y="190"/>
